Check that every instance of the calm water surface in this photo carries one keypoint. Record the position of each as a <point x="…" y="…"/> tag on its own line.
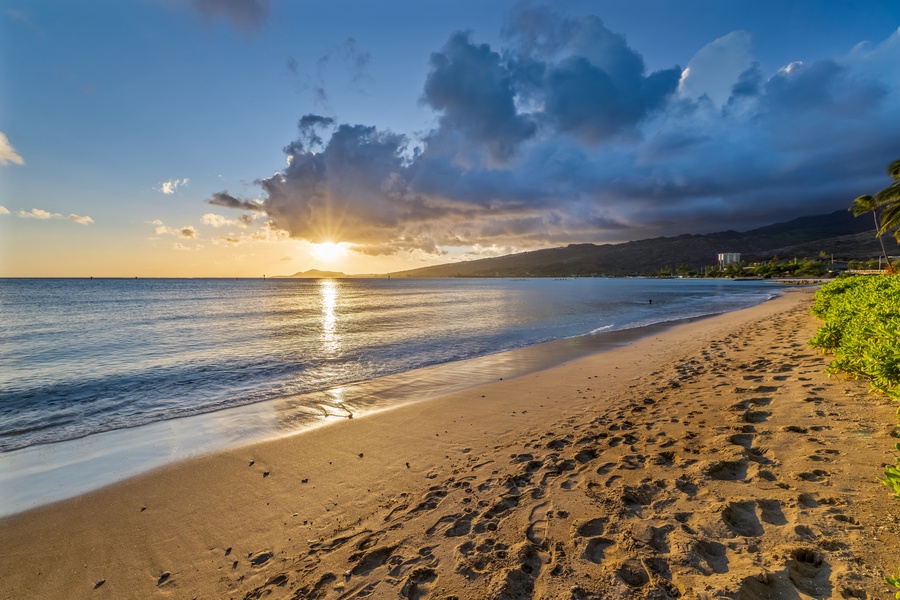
<point x="79" y="357"/>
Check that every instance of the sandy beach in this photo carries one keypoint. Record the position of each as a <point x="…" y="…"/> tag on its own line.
<point x="713" y="460"/>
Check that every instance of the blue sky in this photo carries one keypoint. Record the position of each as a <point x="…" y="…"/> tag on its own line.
<point x="433" y="131"/>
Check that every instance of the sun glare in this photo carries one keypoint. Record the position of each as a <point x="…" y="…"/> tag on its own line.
<point x="328" y="251"/>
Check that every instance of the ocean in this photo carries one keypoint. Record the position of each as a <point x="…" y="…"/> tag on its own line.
<point x="88" y="360"/>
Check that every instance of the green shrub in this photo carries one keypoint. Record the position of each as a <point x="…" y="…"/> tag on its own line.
<point x="862" y="329"/>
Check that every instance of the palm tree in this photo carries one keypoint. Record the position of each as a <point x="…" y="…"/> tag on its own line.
<point x="889" y="197"/>
<point x="865" y="204"/>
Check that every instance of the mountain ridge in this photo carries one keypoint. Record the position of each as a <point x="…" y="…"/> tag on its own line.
<point x="803" y="237"/>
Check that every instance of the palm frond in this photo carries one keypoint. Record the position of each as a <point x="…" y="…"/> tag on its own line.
<point x="862" y="205"/>
<point x="889" y="195"/>
<point x="890" y="218"/>
<point x="894" y="169"/>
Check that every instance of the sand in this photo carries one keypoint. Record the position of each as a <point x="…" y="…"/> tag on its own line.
<point x="715" y="459"/>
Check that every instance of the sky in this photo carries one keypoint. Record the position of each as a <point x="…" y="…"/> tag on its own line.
<point x="242" y="138"/>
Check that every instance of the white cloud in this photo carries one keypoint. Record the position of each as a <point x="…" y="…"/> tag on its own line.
<point x="4" y="210"/>
<point x="216" y="220"/>
<point x="186" y="231"/>
<point x="716" y="67"/>
<point x="85" y="220"/>
<point x="180" y="246"/>
<point x="8" y="154"/>
<point x="171" y="186"/>
<point x="37" y="213"/>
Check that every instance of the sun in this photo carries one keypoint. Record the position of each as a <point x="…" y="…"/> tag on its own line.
<point x="328" y="251"/>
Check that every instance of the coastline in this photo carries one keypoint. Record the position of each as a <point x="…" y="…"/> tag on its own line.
<point x="694" y="461"/>
<point x="42" y="474"/>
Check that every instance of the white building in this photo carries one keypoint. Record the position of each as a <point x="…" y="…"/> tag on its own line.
<point x="726" y="258"/>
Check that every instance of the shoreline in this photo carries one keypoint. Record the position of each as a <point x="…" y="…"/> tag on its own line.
<point x="694" y="461"/>
<point x="43" y="474"/>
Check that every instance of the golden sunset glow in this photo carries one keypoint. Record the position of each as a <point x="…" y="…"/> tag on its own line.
<point x="328" y="251"/>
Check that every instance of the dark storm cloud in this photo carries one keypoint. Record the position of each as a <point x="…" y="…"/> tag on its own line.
<point x="749" y="83"/>
<point x="823" y="85"/>
<point x="564" y="136"/>
<point x="245" y="15"/>
<point x="470" y="84"/>
<point x="588" y="102"/>
<point x="228" y="201"/>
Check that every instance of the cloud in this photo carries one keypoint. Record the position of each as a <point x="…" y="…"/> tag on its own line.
<point x="355" y="61"/>
<point x="717" y="68"/>
<point x="218" y="221"/>
<point x="228" y="201"/>
<point x="8" y="154"/>
<point x="593" y="85"/>
<point x="474" y="89"/>
<point x="40" y="214"/>
<point x="186" y="231"/>
<point x="247" y="16"/>
<point x="4" y="210"/>
<point x="171" y="186"/>
<point x="562" y="135"/>
<point x="37" y="213"/>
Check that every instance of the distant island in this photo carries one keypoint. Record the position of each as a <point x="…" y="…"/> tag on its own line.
<point x="314" y="274"/>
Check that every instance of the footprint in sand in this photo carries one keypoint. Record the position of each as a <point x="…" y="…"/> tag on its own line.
<point x="741" y="439"/>
<point x="727" y="470"/>
<point x="765" y="585"/>
<point x="756" y="416"/>
<point x="713" y="555"/>
<point x="416" y="585"/>
<point x="760" y="456"/>
<point x="741" y="519"/>
<point x="261" y="559"/>
<point x="633" y="573"/>
<point x="632" y="462"/>
<point x="771" y="513"/>
<point x="816" y="475"/>
<point x="369" y="561"/>
<point x="595" y="550"/>
<point x="809" y="572"/>
<point x="664" y="459"/>
<point x="606" y="468"/>
<point x="592" y="528"/>
<point x="538" y="525"/>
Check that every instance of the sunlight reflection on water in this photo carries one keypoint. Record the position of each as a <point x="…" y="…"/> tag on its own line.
<point x="328" y="289"/>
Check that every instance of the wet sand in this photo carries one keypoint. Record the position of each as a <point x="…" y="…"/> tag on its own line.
<point x="714" y="459"/>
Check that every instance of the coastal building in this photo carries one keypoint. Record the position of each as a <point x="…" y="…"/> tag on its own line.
<point x="726" y="258"/>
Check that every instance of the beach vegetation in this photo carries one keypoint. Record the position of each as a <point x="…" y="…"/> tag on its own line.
<point x="894" y="581"/>
<point x="861" y="328"/>
<point x="892" y="475"/>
